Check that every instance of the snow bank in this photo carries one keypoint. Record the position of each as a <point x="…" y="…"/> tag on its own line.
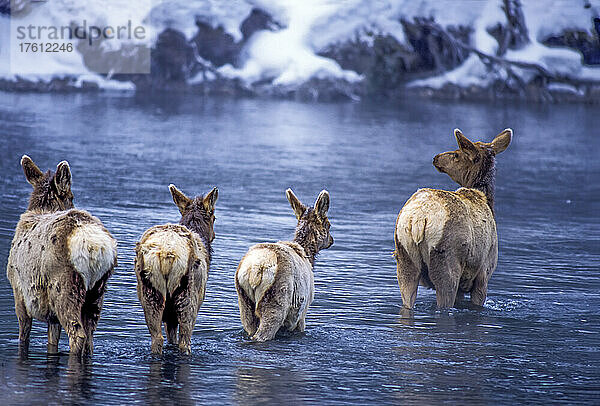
<point x="289" y="56"/>
<point x="543" y="19"/>
<point x="45" y="66"/>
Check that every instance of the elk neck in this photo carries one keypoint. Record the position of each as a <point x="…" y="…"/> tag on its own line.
<point x="485" y="181"/>
<point x="196" y="223"/>
<point x="306" y="238"/>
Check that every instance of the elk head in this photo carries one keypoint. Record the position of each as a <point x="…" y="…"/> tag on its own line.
<point x="51" y="190"/>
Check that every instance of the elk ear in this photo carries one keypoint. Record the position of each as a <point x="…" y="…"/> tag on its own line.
<point x="181" y="200"/>
<point x="322" y="203"/>
<point x="33" y="174"/>
<point x="296" y="204"/>
<point x="210" y="199"/>
<point x="464" y="143"/>
<point x="62" y="178"/>
<point x="502" y="140"/>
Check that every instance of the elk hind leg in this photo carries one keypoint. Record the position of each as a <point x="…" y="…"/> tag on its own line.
<point x="170" y="322"/>
<point x="24" y="323"/>
<point x="53" y="335"/>
<point x="408" y="277"/>
<point x="247" y="313"/>
<point x="186" y="317"/>
<point x="272" y="316"/>
<point x="479" y="291"/>
<point x="91" y="311"/>
<point x="444" y="273"/>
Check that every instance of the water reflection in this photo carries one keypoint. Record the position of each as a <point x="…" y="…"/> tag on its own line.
<point x="168" y="381"/>
<point x="256" y="385"/>
<point x="79" y="379"/>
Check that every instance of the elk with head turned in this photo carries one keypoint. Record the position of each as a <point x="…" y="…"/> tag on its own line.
<point x="274" y="281"/>
<point x="447" y="240"/>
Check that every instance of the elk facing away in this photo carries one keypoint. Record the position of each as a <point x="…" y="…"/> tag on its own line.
<point x="59" y="262"/>
<point x="171" y="265"/>
<point x="447" y="240"/>
<point x="274" y="281"/>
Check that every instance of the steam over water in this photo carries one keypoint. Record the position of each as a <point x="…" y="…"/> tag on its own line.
<point x="536" y="340"/>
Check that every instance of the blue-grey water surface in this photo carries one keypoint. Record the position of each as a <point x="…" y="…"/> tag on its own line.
<point x="536" y="341"/>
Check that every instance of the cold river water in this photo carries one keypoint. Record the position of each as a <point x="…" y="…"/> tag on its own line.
<point x="536" y="341"/>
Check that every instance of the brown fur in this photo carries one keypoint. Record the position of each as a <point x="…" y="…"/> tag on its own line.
<point x="447" y="240"/>
<point x="59" y="262"/>
<point x="172" y="263"/>
<point x="274" y="281"/>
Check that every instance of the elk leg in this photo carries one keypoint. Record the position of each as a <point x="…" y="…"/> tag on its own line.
<point x="170" y="321"/>
<point x="69" y="302"/>
<point x="186" y="317"/>
<point x="24" y="323"/>
<point x="74" y="328"/>
<point x="91" y="311"/>
<point x="171" y="329"/>
<point x="153" y="312"/>
<point x="444" y="273"/>
<point x="153" y="304"/>
<point x="460" y="296"/>
<point x="247" y="315"/>
<point x="53" y="335"/>
<point x="272" y="315"/>
<point x="301" y="325"/>
<point x="479" y="291"/>
<point x="408" y="277"/>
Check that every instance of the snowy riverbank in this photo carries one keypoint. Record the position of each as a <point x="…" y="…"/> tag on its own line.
<point x="539" y="50"/>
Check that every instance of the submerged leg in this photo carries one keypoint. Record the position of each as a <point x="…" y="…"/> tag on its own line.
<point x="170" y="320"/>
<point x="186" y="317"/>
<point x="91" y="311"/>
<point x="444" y="273"/>
<point x="69" y="306"/>
<point x="272" y="316"/>
<point x="153" y="311"/>
<point x="53" y="335"/>
<point x="408" y="277"/>
<point x="24" y="322"/>
<point x="301" y="325"/>
<point x="479" y="291"/>
<point x="460" y="296"/>
<point x="247" y="315"/>
<point x="171" y="330"/>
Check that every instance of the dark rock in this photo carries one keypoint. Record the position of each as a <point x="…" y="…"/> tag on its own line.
<point x="357" y="55"/>
<point x="5" y="7"/>
<point x="258" y="20"/>
<point x="219" y="47"/>
<point x="584" y="42"/>
<point x="215" y="45"/>
<point x="388" y="64"/>
<point x="172" y="57"/>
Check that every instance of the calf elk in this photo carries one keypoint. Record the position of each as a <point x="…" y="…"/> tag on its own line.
<point x="59" y="262"/>
<point x="171" y="265"/>
<point x="274" y="281"/>
<point x="447" y="240"/>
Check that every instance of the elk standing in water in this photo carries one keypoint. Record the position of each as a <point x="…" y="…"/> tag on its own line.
<point x="59" y="262"/>
<point x="447" y="240"/>
<point x="274" y="281"/>
<point x="171" y="264"/>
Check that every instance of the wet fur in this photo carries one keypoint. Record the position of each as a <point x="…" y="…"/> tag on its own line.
<point x="447" y="240"/>
<point x="171" y="265"/>
<point x="59" y="263"/>
<point x="275" y="282"/>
